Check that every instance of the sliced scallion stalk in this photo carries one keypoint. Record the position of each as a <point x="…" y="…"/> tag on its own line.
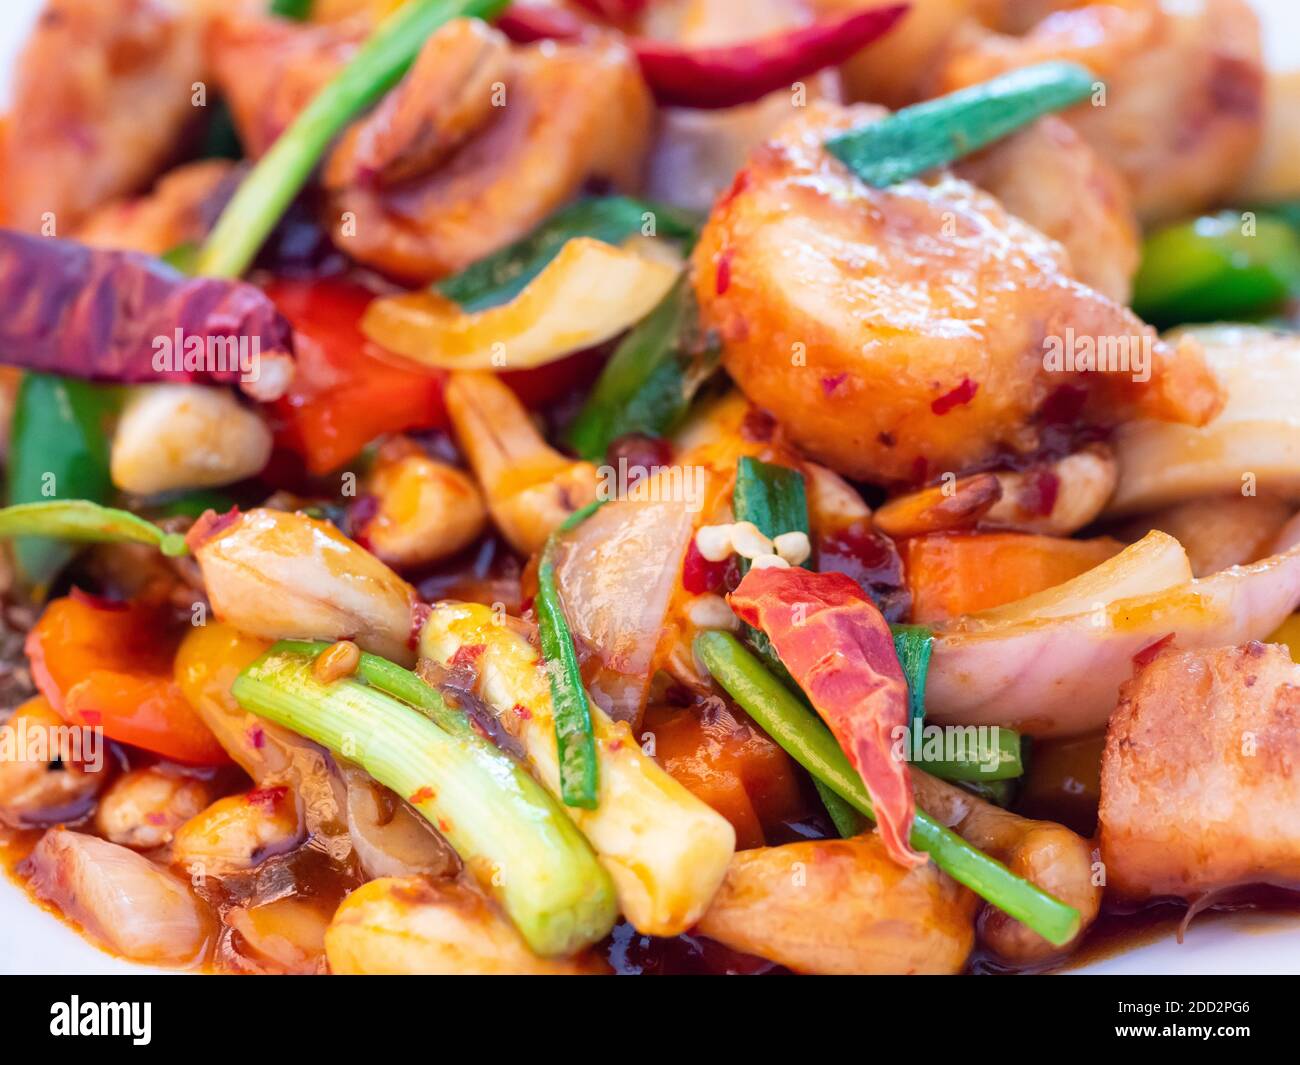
<point x="1219" y="267"/>
<point x="574" y="737"/>
<point x="774" y="498"/>
<point x="648" y="383"/>
<point x="298" y="10"/>
<point x="513" y="837"/>
<point x="940" y="131"/>
<point x="58" y="449"/>
<point x="913" y="644"/>
<point x="978" y="758"/>
<point x="82" y="521"/>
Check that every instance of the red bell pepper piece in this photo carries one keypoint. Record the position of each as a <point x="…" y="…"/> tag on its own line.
<point x="347" y="390"/>
<point x="99" y="314"/>
<point x="109" y="665"/>
<point x="726" y="76"/>
<point x="839" y="650"/>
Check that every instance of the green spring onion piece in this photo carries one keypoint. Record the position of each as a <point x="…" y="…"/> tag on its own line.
<point x="914" y="644"/>
<point x="517" y="841"/>
<point x="648" y="383"/>
<point x="181" y="257"/>
<point x="775" y="500"/>
<point x="1287" y="211"/>
<point x="772" y="497"/>
<point x="500" y="277"/>
<point x="82" y="521"/>
<point x="1222" y="267"/>
<point x="298" y="10"/>
<point x="58" y="451"/>
<point x="998" y="792"/>
<point x="400" y="683"/>
<point x="268" y="190"/>
<point x="220" y="141"/>
<point x="810" y="743"/>
<point x="940" y="131"/>
<point x="847" y="821"/>
<point x="575" y="739"/>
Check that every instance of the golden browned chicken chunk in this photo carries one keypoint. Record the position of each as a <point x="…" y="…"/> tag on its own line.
<point x="179" y="209"/>
<point x="1199" y="781"/>
<point x="899" y="333"/>
<point x="1183" y="109"/>
<point x="842" y="907"/>
<point x="268" y="69"/>
<point x="525" y="130"/>
<point x="473" y="148"/>
<point x="1051" y="177"/>
<point x="448" y="94"/>
<point x="102" y="93"/>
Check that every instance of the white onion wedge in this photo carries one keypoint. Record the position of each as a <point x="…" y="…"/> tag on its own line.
<point x="1254" y="443"/>
<point x="1154" y="563"/>
<point x="1060" y="675"/>
<point x="588" y="293"/>
<point x="616" y="573"/>
<point x="120" y="898"/>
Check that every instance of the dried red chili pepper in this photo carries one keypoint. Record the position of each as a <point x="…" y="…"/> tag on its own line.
<point x="839" y="650"/>
<point x="614" y="10"/>
<point x="113" y="315"/>
<point x="708" y="78"/>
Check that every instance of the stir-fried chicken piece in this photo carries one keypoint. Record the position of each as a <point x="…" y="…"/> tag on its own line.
<point x="471" y="150"/>
<point x="1051" y="177"/>
<point x="445" y="98"/>
<point x="842" y="907"/>
<point x="897" y="333"/>
<point x="268" y="70"/>
<point x="102" y="93"/>
<point x="559" y="117"/>
<point x="1184" y="100"/>
<point x="1200" y="780"/>
<point x="180" y="209"/>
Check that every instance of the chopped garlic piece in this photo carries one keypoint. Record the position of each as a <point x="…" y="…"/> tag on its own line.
<point x="748" y="542"/>
<point x="713" y="542"/>
<point x="793" y="547"/>
<point x="770" y="562"/>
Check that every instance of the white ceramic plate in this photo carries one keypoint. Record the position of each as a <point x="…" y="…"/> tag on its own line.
<point x="33" y="941"/>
